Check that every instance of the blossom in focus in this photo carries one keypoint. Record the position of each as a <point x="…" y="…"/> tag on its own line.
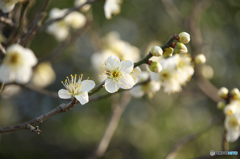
<point x="43" y="75"/>
<point x="113" y="45"/>
<point x="85" y="8"/>
<point x="147" y="88"/>
<point x="60" y="29"/>
<point x="76" y="88"/>
<point x="118" y="74"/>
<point x="7" y="5"/>
<point x="176" y="71"/>
<point x="17" y="64"/>
<point x="112" y="7"/>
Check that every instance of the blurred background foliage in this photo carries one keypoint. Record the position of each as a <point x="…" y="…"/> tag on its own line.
<point x="149" y="127"/>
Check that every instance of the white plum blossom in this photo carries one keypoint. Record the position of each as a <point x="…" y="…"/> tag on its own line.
<point x="112" y="7"/>
<point x="78" y="3"/>
<point x="232" y="120"/>
<point x="176" y="71"/>
<point x="113" y="45"/>
<point x="232" y="125"/>
<point x="75" y="20"/>
<point x="118" y="74"/>
<point x="7" y="5"/>
<point x="60" y="29"/>
<point x="76" y="88"/>
<point x="147" y="88"/>
<point x="17" y="64"/>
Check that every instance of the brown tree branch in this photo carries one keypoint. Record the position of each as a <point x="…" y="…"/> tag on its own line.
<point x="112" y="126"/>
<point x="37" y="22"/>
<point x="60" y="109"/>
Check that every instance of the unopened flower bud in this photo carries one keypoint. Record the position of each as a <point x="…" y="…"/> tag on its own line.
<point x="156" y="51"/>
<point x="154" y="66"/>
<point x="235" y="93"/>
<point x="180" y="48"/>
<point x="168" y="52"/>
<point x="200" y="59"/>
<point x="221" y="105"/>
<point x="184" y="37"/>
<point x="223" y="92"/>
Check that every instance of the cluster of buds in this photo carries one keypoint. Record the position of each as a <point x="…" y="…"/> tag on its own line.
<point x="155" y="66"/>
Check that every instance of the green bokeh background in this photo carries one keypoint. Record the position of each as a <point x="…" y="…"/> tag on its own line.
<point x="149" y="127"/>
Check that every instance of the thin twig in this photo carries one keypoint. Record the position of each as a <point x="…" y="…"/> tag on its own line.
<point x="224" y="142"/>
<point x="112" y="126"/>
<point x="37" y="22"/>
<point x="182" y="142"/>
<point x="60" y="109"/>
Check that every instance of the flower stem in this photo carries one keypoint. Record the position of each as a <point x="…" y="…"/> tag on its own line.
<point x="164" y="46"/>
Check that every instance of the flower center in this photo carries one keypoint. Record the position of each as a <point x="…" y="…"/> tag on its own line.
<point x="14" y="59"/>
<point x="72" y="85"/>
<point x="233" y="123"/>
<point x="115" y="74"/>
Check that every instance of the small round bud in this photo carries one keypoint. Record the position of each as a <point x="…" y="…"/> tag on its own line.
<point x="223" y="92"/>
<point x="235" y="93"/>
<point x="156" y="51"/>
<point x="168" y="52"/>
<point x="155" y="66"/>
<point x="180" y="48"/>
<point x="200" y="59"/>
<point x="221" y="105"/>
<point x="184" y="37"/>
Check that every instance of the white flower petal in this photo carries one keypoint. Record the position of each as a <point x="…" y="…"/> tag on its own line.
<point x="127" y="82"/>
<point x="111" y="86"/>
<point x="23" y="74"/>
<point x="111" y="7"/>
<point x="127" y="66"/>
<point x="137" y="92"/>
<point x="6" y="74"/>
<point x="6" y="8"/>
<point x="154" y="76"/>
<point x="64" y="94"/>
<point x="112" y="61"/>
<point x="31" y="58"/>
<point x="232" y="134"/>
<point x="87" y="85"/>
<point x="82" y="98"/>
<point x="155" y="86"/>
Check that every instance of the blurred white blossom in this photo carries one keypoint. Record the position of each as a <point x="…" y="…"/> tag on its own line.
<point x="76" y="88"/>
<point x="17" y="64"/>
<point x="7" y="5"/>
<point x="85" y="8"/>
<point x="61" y="29"/>
<point x="148" y="88"/>
<point x="112" y="7"/>
<point x="43" y="75"/>
<point x="118" y="74"/>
